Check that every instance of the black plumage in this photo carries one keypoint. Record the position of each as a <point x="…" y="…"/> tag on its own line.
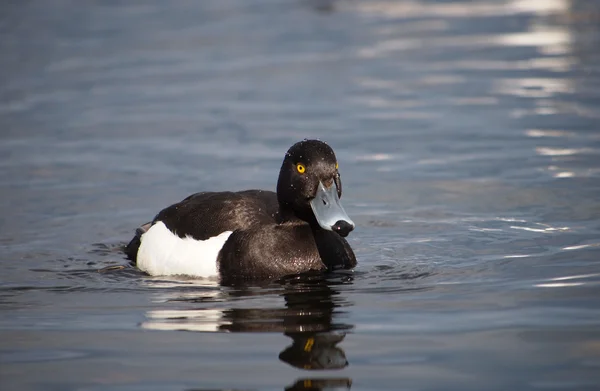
<point x="274" y="234"/>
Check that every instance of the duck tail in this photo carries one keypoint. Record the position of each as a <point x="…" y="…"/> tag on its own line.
<point x="131" y="249"/>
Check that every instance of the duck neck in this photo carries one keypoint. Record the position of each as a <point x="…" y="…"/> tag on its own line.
<point x="334" y="251"/>
<point x="288" y="215"/>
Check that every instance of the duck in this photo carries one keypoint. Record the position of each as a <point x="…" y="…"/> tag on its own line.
<point x="255" y="234"/>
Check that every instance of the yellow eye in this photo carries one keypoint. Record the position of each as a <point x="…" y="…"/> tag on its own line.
<point x="300" y="167"/>
<point x="336" y="165"/>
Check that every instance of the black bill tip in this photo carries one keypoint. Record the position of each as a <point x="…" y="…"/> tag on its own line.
<point x="342" y="228"/>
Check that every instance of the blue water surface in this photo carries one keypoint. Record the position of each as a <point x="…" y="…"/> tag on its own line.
<point x="468" y="136"/>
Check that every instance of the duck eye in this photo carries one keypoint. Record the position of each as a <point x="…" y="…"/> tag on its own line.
<point x="300" y="167"/>
<point x="336" y="165"/>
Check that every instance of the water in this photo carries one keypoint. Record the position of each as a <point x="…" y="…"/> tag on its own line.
<point x="468" y="140"/>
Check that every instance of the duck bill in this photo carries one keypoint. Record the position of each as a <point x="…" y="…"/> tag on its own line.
<point x="329" y="212"/>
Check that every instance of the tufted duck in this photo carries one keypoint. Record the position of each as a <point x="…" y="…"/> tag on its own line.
<point x="255" y="234"/>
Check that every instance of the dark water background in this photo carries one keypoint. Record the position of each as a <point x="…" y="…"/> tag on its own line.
<point x="468" y="135"/>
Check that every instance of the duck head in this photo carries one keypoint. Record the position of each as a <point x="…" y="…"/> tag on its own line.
<point x="310" y="187"/>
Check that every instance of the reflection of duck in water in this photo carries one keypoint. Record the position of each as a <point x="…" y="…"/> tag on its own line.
<point x="307" y="317"/>
<point x="310" y="385"/>
<point x="320" y="384"/>
<point x="312" y="303"/>
<point x="315" y="351"/>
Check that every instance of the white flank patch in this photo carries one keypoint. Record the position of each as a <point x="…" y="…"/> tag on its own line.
<point x="162" y="253"/>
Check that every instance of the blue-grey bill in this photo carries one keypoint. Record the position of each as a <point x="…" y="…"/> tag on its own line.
<point x="327" y="207"/>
